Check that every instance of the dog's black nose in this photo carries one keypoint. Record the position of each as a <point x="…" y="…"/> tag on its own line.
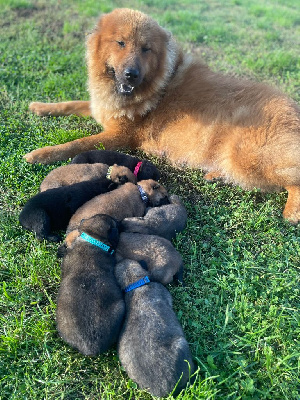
<point x="131" y="74"/>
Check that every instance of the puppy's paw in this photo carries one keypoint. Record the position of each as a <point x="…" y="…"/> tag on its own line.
<point x="40" y="109"/>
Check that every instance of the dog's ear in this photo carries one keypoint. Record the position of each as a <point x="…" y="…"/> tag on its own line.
<point x="123" y="179"/>
<point x="113" y="236"/>
<point x="93" y="39"/>
<point x="148" y="171"/>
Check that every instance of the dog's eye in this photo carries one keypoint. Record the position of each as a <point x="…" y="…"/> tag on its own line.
<point x="121" y="43"/>
<point x="145" y="49"/>
<point x="155" y="187"/>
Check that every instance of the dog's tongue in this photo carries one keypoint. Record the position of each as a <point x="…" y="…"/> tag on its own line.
<point x="126" y="89"/>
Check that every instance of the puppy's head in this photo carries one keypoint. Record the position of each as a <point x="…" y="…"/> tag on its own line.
<point x="120" y="175"/>
<point x="101" y="227"/>
<point x="156" y="193"/>
<point x="148" y="171"/>
<point x="128" y="271"/>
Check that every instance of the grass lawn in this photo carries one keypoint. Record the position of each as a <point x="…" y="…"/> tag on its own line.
<point x="240" y="306"/>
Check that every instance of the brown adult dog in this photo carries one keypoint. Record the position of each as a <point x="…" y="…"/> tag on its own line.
<point x="148" y="94"/>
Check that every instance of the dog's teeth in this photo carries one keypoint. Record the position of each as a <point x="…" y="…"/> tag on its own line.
<point x="126" y="88"/>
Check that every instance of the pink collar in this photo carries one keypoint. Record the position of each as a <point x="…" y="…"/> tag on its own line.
<point x="137" y="168"/>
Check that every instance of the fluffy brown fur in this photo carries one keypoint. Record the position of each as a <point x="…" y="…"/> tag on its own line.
<point x="147" y="94"/>
<point x="74" y="173"/>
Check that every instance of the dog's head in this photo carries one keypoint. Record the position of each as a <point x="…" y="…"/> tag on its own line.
<point x="101" y="227"/>
<point x="148" y="171"/>
<point x="120" y="174"/>
<point x="134" y="53"/>
<point x="156" y="193"/>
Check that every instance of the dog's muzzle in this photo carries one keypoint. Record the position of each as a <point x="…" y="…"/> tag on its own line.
<point x="126" y="89"/>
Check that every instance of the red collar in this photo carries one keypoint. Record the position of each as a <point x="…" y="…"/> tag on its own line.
<point x="137" y="168"/>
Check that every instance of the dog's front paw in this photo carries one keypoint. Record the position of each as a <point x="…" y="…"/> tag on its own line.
<point x="41" y="156"/>
<point x="213" y="176"/>
<point x="40" y="109"/>
<point x="293" y="217"/>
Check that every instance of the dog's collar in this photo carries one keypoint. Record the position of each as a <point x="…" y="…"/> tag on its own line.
<point x="108" y="175"/>
<point x="95" y="242"/>
<point x="143" y="194"/>
<point x="137" y="168"/>
<point x="140" y="282"/>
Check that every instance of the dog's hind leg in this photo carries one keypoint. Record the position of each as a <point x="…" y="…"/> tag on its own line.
<point x="291" y="211"/>
<point x="81" y="108"/>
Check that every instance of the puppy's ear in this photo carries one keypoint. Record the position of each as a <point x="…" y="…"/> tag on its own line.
<point x="148" y="171"/>
<point x="123" y="179"/>
<point x="113" y="236"/>
<point x="156" y="186"/>
<point x="144" y="264"/>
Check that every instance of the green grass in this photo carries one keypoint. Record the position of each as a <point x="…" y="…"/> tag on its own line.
<point x="240" y="306"/>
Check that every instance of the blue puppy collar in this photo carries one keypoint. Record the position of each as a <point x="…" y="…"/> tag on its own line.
<point x="95" y="242"/>
<point x="143" y="194"/>
<point x="137" y="284"/>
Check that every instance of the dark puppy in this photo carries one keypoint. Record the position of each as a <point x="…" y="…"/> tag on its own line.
<point x="163" y="261"/>
<point x="90" y="305"/>
<point x="164" y="221"/>
<point x="143" y="169"/>
<point x="152" y="347"/>
<point x="51" y="210"/>
<point x="74" y="173"/>
<point x="128" y="200"/>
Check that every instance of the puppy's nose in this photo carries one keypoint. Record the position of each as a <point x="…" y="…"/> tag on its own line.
<point x="131" y="74"/>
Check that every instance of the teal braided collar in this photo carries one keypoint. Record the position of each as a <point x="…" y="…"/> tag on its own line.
<point x="95" y="242"/>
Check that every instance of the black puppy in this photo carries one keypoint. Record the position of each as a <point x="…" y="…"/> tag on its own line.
<point x="152" y="347"/>
<point x="142" y="169"/>
<point x="51" y="210"/>
<point x="165" y="221"/>
<point x="90" y="304"/>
